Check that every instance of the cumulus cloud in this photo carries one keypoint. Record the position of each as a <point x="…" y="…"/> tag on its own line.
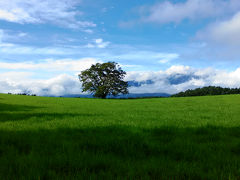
<point x="57" y="86"/>
<point x="62" y="12"/>
<point x="167" y="11"/>
<point x="21" y="76"/>
<point x="181" y="78"/>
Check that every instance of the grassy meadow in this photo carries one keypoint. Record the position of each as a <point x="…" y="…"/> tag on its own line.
<point x="161" y="138"/>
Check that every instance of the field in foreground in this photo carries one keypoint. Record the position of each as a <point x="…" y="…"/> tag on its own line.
<point x="166" y="138"/>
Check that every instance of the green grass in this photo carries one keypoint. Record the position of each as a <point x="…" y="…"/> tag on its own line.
<point x="166" y="138"/>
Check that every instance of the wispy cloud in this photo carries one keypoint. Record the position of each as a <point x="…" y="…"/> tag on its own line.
<point x="170" y="12"/>
<point x="151" y="56"/>
<point x="51" y="65"/>
<point x="96" y="48"/>
<point x="226" y="32"/>
<point x="62" y="12"/>
<point x="98" y="43"/>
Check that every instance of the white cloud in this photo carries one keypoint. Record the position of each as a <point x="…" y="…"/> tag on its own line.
<point x="8" y="35"/>
<point x="165" y="58"/>
<point x="89" y="31"/>
<point x="179" y="70"/>
<point x="65" y="82"/>
<point x="15" y="49"/>
<point x="163" y="61"/>
<point x="149" y="55"/>
<point x="224" y="33"/>
<point x="167" y="12"/>
<point x="98" y="43"/>
<point x="3" y="36"/>
<point x="51" y="65"/>
<point x="62" y="12"/>
<point x="18" y="49"/>
<point x="132" y="66"/>
<point x="22" y="34"/>
<point x="121" y="53"/>
<point x="181" y="78"/>
<point x="117" y="52"/>
<point x="60" y="85"/>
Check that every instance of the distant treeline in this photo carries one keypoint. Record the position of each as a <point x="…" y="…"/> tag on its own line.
<point x="210" y="90"/>
<point x="24" y="94"/>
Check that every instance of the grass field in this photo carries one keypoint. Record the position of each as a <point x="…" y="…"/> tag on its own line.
<point x="165" y="138"/>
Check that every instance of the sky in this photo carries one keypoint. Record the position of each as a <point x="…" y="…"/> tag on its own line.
<point x="177" y="44"/>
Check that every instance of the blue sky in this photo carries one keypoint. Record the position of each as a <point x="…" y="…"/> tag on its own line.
<point x="45" y="44"/>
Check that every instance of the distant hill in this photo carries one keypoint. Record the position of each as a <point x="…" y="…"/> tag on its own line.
<point x="210" y="90"/>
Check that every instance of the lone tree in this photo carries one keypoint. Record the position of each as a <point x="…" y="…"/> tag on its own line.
<point x="104" y="79"/>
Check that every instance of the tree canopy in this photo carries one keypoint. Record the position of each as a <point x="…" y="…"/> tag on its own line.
<point x="104" y="79"/>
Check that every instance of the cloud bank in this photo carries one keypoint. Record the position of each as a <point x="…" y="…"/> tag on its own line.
<point x="21" y="82"/>
<point x="181" y="78"/>
<point x="171" y="80"/>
